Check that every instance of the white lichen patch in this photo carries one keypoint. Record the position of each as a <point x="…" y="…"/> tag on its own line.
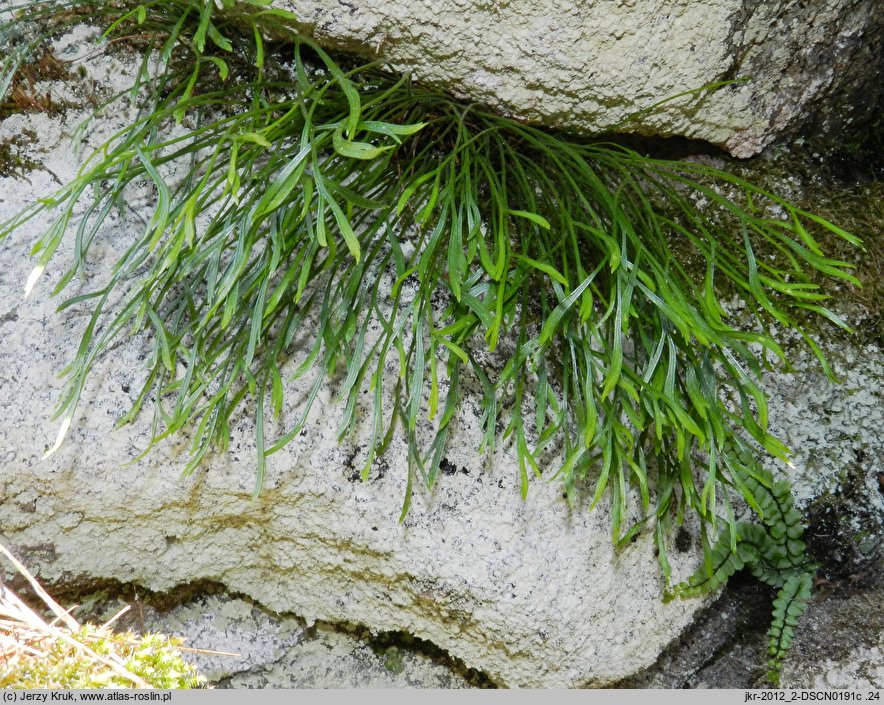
<point x="266" y="651"/>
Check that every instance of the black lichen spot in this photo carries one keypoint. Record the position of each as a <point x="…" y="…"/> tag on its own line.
<point x="683" y="540"/>
<point x="449" y="468"/>
<point x="379" y="467"/>
<point x="14" y="160"/>
<point x="349" y="464"/>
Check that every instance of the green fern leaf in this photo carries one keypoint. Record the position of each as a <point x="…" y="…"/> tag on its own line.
<point x="722" y="564"/>
<point x="788" y="607"/>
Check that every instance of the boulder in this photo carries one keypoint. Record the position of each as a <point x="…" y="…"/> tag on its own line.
<point x="528" y="591"/>
<point x="590" y="65"/>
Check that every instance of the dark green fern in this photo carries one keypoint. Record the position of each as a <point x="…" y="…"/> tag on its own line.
<point x="772" y="550"/>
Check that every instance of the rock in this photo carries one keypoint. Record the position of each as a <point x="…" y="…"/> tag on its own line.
<point x="725" y="647"/>
<point x="588" y="66"/>
<point x="839" y="642"/>
<point x="268" y="651"/>
<point x="528" y="592"/>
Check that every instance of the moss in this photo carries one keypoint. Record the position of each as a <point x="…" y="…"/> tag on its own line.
<point x="14" y="159"/>
<point x="26" y="96"/>
<point x="64" y="653"/>
<point x="393" y="647"/>
<point x="63" y="663"/>
<point x="393" y="660"/>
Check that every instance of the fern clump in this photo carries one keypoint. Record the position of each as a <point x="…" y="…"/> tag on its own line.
<point x="773" y="551"/>
<point x="346" y="221"/>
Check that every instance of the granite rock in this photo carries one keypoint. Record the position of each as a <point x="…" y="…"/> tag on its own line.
<point x="599" y="65"/>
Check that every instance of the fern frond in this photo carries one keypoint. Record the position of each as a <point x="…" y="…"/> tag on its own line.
<point x="783" y="548"/>
<point x="789" y="605"/>
<point x="774" y="552"/>
<point x="766" y="554"/>
<point x="721" y="564"/>
<point x="565" y="258"/>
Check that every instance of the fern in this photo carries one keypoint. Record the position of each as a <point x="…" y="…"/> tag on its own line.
<point x="315" y="194"/>
<point x="772" y="550"/>
<point x="720" y="565"/>
<point x="788" y="607"/>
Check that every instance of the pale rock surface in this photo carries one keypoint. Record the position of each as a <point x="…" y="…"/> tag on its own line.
<point x="840" y="642"/>
<point x="861" y="668"/>
<point x="238" y="645"/>
<point x="527" y="591"/>
<point x="589" y="65"/>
